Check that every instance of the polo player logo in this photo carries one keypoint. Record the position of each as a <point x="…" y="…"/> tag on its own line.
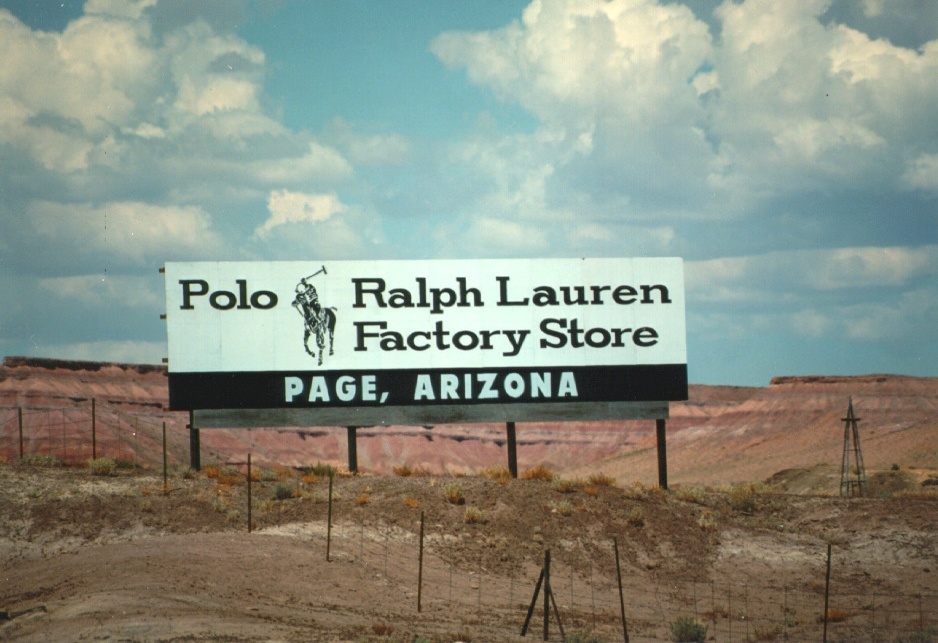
<point x="318" y="320"/>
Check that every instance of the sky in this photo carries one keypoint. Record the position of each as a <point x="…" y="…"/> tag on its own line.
<point x="787" y="151"/>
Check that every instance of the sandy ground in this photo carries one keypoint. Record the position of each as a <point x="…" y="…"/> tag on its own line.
<point x="120" y="558"/>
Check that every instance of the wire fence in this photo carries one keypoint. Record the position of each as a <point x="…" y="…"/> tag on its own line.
<point x="75" y="434"/>
<point x="587" y="595"/>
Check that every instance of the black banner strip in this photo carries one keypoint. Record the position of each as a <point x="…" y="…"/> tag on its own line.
<point x="425" y="387"/>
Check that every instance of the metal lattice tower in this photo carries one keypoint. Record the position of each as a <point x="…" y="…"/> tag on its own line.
<point x="852" y="475"/>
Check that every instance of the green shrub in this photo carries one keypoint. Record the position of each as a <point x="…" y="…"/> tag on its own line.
<point x="40" y="460"/>
<point x="687" y="629"/>
<point x="923" y="635"/>
<point x="693" y="494"/>
<point x="744" y="496"/>
<point x="102" y="466"/>
<point x="283" y="491"/>
<point x="635" y="517"/>
<point x="563" y="508"/>
<point x="320" y="469"/>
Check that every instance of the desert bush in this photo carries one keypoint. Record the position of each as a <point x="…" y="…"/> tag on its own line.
<point x="707" y="521"/>
<point x="688" y="629"/>
<point x="921" y="635"/>
<point x="102" y="466"/>
<point x="499" y="474"/>
<point x="267" y="475"/>
<point x="767" y="633"/>
<point x="636" y="491"/>
<point x="744" y="496"/>
<point x="601" y="480"/>
<point x="40" y="460"/>
<point x="693" y="494"/>
<point x="540" y="472"/>
<point x="835" y="616"/>
<point x="563" y="508"/>
<point x="406" y="471"/>
<point x="475" y="516"/>
<point x="283" y="473"/>
<point x="382" y="629"/>
<point x="320" y="469"/>
<point x="578" y="636"/>
<point x="635" y="517"/>
<point x="453" y="493"/>
<point x="283" y="491"/>
<point x="563" y="485"/>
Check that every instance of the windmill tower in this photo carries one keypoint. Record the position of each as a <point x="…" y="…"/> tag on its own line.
<point x="852" y="475"/>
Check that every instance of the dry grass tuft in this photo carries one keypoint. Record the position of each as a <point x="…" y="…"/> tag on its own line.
<point x="835" y="616"/>
<point x="499" y="474"/>
<point x="564" y="485"/>
<point x="540" y="472"/>
<point x="407" y="471"/>
<point x="636" y="491"/>
<point x="283" y="473"/>
<point x="453" y="494"/>
<point x="475" y="516"/>
<point x="600" y="480"/>
<point x="707" y="521"/>
<point x="635" y="517"/>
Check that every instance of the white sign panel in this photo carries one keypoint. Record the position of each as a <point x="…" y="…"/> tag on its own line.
<point x="353" y="333"/>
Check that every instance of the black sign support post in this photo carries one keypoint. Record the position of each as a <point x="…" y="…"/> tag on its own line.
<point x="352" y="449"/>
<point x="512" y="450"/>
<point x="195" y="445"/>
<point x="662" y="454"/>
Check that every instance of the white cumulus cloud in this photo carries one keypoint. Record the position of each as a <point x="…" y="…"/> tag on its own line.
<point x="298" y="207"/>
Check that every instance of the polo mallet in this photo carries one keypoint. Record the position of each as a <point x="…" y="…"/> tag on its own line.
<point x="321" y="270"/>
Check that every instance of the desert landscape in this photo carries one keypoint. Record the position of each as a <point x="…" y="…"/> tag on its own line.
<point x="431" y="541"/>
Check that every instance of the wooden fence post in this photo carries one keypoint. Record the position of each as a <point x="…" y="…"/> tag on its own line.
<point x="19" y="416"/>
<point x="249" y="493"/>
<point x="94" y="430"/>
<point x="329" y="522"/>
<point x="827" y="589"/>
<point x="420" y="567"/>
<point x="625" y="629"/>
<point x="165" y="475"/>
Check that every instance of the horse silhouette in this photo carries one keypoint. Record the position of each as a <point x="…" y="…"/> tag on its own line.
<point x="319" y="320"/>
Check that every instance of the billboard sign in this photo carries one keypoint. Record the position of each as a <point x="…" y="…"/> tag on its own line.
<point x="326" y="334"/>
